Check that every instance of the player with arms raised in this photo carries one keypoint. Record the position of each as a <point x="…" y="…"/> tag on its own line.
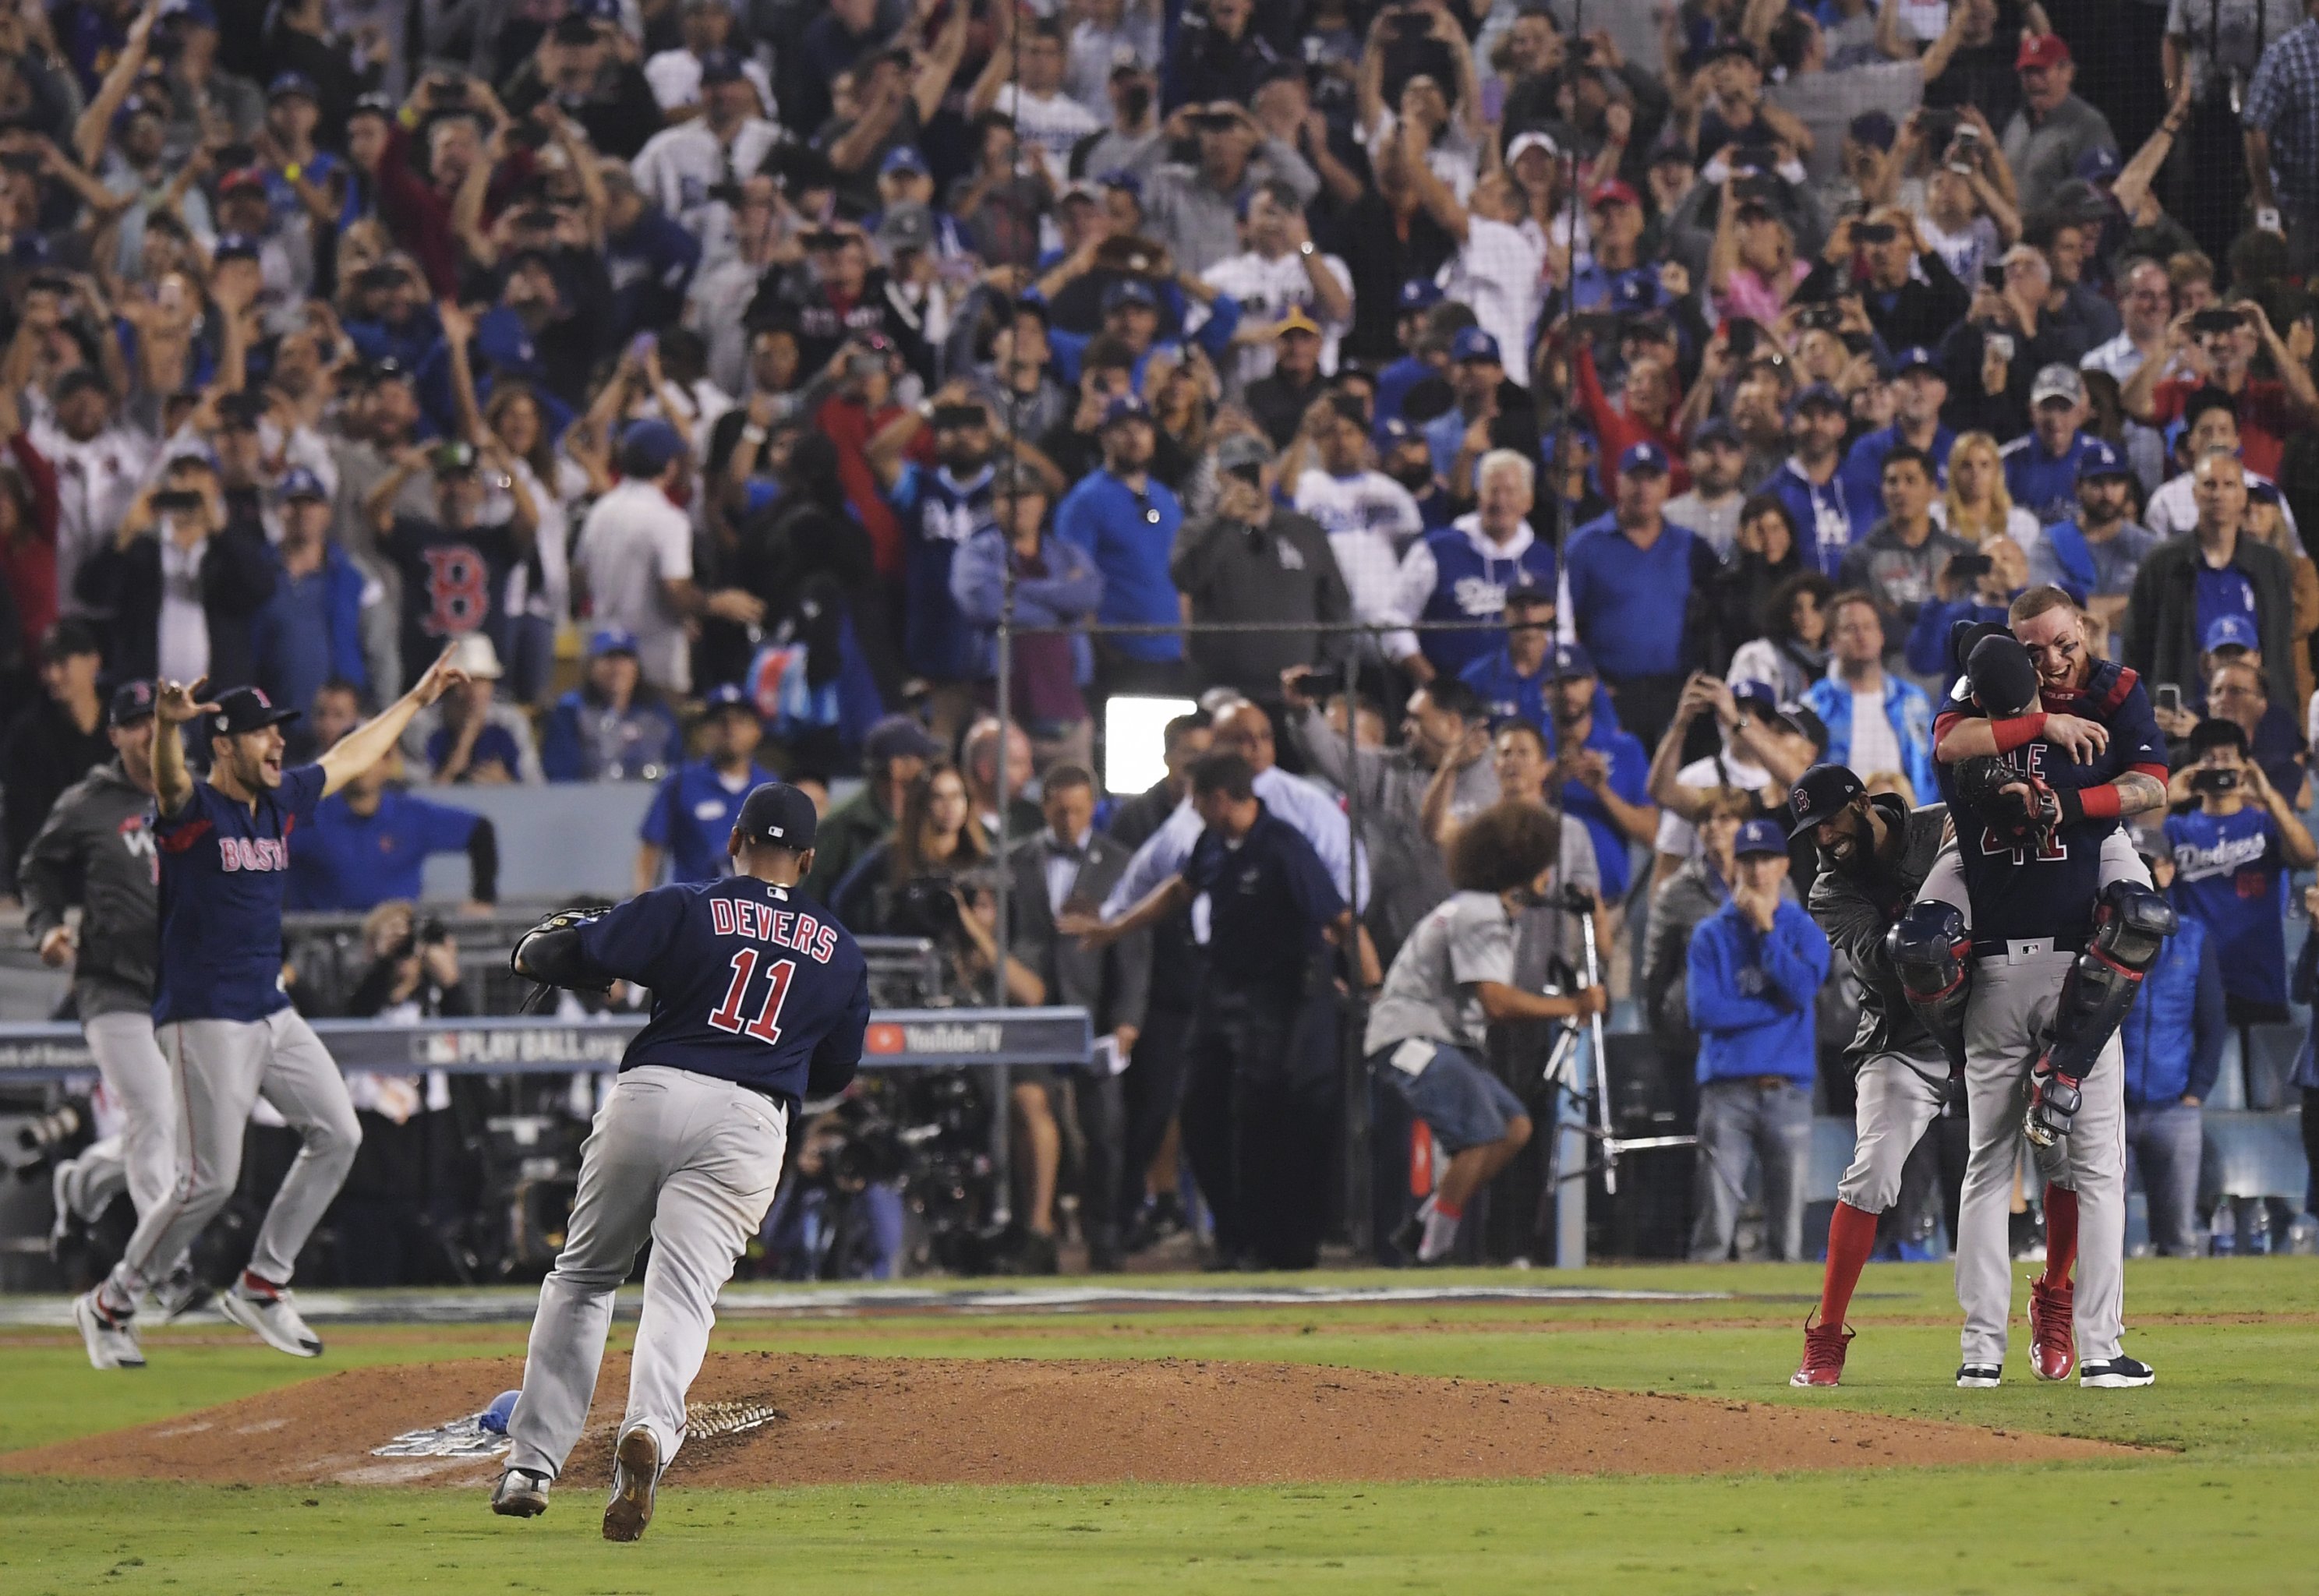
<point x="758" y="1001"/>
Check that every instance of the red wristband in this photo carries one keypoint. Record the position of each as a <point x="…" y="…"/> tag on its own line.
<point x="2017" y="732"/>
<point x="2099" y="803"/>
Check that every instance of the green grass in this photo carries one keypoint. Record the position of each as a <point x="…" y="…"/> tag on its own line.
<point x="2225" y="1508"/>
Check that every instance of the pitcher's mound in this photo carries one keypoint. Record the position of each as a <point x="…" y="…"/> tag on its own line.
<point x="801" y="1421"/>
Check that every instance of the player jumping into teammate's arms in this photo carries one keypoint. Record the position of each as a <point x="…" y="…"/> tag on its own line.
<point x="758" y="1002"/>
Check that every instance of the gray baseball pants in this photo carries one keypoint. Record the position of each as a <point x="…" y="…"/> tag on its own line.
<point x="141" y="1158"/>
<point x="1898" y="1098"/>
<point x="691" y="1162"/>
<point x="219" y="1068"/>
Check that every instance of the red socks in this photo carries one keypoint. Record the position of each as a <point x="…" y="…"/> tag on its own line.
<point x="2061" y="1233"/>
<point x="1851" y="1238"/>
<point x="1445" y="1210"/>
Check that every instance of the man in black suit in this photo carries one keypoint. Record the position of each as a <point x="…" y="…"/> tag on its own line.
<point x="1070" y="864"/>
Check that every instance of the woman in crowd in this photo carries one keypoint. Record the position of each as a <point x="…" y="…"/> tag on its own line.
<point x="1977" y="508"/>
<point x="1791" y="652"/>
<point x="1765" y="553"/>
<point x="1753" y="269"/>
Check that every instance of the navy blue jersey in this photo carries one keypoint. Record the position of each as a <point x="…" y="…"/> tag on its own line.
<point x="749" y="982"/>
<point x="939" y="514"/>
<point x="1268" y="898"/>
<point x="224" y="870"/>
<point x="2230" y="873"/>
<point x="2020" y="890"/>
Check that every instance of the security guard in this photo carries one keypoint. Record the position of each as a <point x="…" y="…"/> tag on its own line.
<point x="688" y="823"/>
<point x="1259" y="1110"/>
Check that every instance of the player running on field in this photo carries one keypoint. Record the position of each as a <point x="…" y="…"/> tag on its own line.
<point x="758" y="1002"/>
<point x="2059" y="935"/>
<point x="219" y="1013"/>
<point x="1874" y="853"/>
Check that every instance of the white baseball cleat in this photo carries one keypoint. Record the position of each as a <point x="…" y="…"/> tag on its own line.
<point x="636" y="1477"/>
<point x="111" y="1338"/>
<point x="520" y="1494"/>
<point x="180" y="1293"/>
<point x="2119" y="1374"/>
<point x="270" y="1317"/>
<point x="1978" y="1376"/>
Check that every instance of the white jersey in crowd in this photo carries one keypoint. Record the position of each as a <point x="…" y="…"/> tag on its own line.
<point x="1370" y="519"/>
<point x="1428" y="994"/>
<point x="678" y="167"/>
<point x="1266" y="290"/>
<point x="1497" y="273"/>
<point x="1421" y="571"/>
<point x="674" y="76"/>
<point x="2174" y="511"/>
<point x="96" y="481"/>
<point x="1677" y="835"/>
<point x="1054" y="122"/>
<point x="632" y="542"/>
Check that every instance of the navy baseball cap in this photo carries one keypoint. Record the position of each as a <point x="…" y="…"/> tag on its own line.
<point x="1125" y="181"/>
<point x="1645" y="456"/>
<point x="611" y="640"/>
<point x="725" y="697"/>
<point x="286" y="84"/>
<point x="1396" y="430"/>
<point x="2260" y="492"/>
<point x="647" y="446"/>
<point x="454" y="458"/>
<point x="1874" y="129"/>
<point x="779" y="813"/>
<point x="246" y="709"/>
<point x="1823" y="394"/>
<point x="1474" y="344"/>
<point x="2100" y="166"/>
<point x="131" y="701"/>
<point x="298" y="482"/>
<point x="1127" y="407"/>
<point x="2001" y="677"/>
<point x="1819" y="793"/>
<point x="1915" y="357"/>
<point x="1759" y="835"/>
<point x="1717" y="429"/>
<point x="1529" y="588"/>
<point x="66" y="637"/>
<point x="720" y="65"/>
<point x="2230" y="631"/>
<point x="898" y="736"/>
<point x="2100" y="458"/>
<point x="235" y="247"/>
<point x="1129" y="291"/>
<point x="1634" y="295"/>
<point x="1418" y="293"/>
<point x="902" y="157"/>
<point x="1569" y="660"/>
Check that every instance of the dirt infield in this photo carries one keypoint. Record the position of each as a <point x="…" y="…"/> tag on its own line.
<point x="1009" y="1421"/>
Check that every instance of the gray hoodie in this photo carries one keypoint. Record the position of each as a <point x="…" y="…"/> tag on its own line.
<point x="96" y="849"/>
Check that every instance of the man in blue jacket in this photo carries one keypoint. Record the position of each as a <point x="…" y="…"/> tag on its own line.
<point x="310" y="631"/>
<point x="2173" y="1040"/>
<point x="1756" y="967"/>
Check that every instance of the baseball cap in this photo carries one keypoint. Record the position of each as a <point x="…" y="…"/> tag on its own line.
<point x="68" y="637"/>
<point x="1759" y="835"/>
<point x="132" y="701"/>
<point x="1818" y="794"/>
<point x="1474" y="344"/>
<point x="238" y="179"/>
<point x="1529" y="588"/>
<point x="1129" y="291"/>
<point x="1243" y="448"/>
<point x="2230" y="631"/>
<point x="720" y="65"/>
<point x="235" y="247"/>
<point x="903" y="158"/>
<point x="1418" y="293"/>
<point x="386" y="368"/>
<point x="1127" y="407"/>
<point x="1915" y="357"/>
<point x="2100" y="458"/>
<point x="611" y="640"/>
<point x="1613" y="192"/>
<point x="647" y="446"/>
<point x="2058" y="380"/>
<point x="1633" y="295"/>
<point x="1569" y="660"/>
<point x="1821" y="394"/>
<point x="198" y="13"/>
<point x="2001" y="676"/>
<point x="454" y="457"/>
<point x="1396" y="430"/>
<point x="2100" y="164"/>
<point x="474" y="655"/>
<point x="286" y="84"/>
<point x="1297" y="320"/>
<point x="777" y="812"/>
<point x="898" y="736"/>
<point x="371" y="104"/>
<point x="2261" y="492"/>
<point x="298" y="482"/>
<point x="1525" y="142"/>
<point x="1120" y="178"/>
<point x="1762" y="695"/>
<point x="2041" y="51"/>
<point x="246" y="709"/>
<point x="1717" y="429"/>
<point x="727" y="696"/>
<point x="1645" y="456"/>
<point x="1874" y="129"/>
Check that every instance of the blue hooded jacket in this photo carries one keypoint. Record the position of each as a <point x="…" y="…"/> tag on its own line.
<point x="1753" y="996"/>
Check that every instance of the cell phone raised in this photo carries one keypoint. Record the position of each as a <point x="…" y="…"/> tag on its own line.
<point x="176" y="501"/>
<point x="1322" y="682"/>
<point x="2168" y="698"/>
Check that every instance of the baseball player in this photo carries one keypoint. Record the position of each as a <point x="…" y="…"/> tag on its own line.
<point x="757" y="1001"/>
<point x="219" y="1013"/>
<point x="2043" y="754"/>
<point x="1874" y="855"/>
<point x="96" y="848"/>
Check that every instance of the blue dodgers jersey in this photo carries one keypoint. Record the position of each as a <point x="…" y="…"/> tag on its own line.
<point x="345" y="861"/>
<point x="2230" y="875"/>
<point x="2020" y="890"/>
<point x="224" y="871"/>
<point x="938" y="515"/>
<point x="692" y="818"/>
<point x="749" y="982"/>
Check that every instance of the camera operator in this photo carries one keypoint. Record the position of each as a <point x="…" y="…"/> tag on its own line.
<point x="407" y="1189"/>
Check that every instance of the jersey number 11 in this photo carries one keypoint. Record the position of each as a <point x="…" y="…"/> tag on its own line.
<point x="765" y="1027"/>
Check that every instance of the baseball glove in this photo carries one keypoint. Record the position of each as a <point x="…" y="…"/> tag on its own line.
<point x="2015" y="807"/>
<point x="549" y="952"/>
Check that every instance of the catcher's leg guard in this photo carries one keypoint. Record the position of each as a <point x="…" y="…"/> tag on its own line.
<point x="1930" y="946"/>
<point x="2131" y="925"/>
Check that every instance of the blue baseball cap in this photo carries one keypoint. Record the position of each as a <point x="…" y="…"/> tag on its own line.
<point x="594" y="11"/>
<point x="286" y="84"/>
<point x="727" y="696"/>
<point x="1569" y="660"/>
<point x="1396" y="430"/>
<point x="2261" y="492"/>
<point x="720" y="65"/>
<point x="647" y="446"/>
<point x="199" y="12"/>
<point x="1129" y="291"/>
<point x="1418" y="293"/>
<point x="1915" y="357"/>
<point x="1127" y="407"/>
<point x="2101" y="458"/>
<point x="1817" y="393"/>
<point x="2230" y="631"/>
<point x="1762" y="694"/>
<point x="235" y="247"/>
<point x="1874" y="129"/>
<point x="902" y="157"/>
<point x="1645" y="456"/>
<point x="611" y="640"/>
<point x="1717" y="429"/>
<point x="777" y="812"/>
<point x="2100" y="166"/>
<point x="298" y="482"/>
<point x="1120" y="178"/>
<point x="1474" y="344"/>
<point x="1759" y="835"/>
<point x="1530" y="588"/>
<point x="1633" y="295"/>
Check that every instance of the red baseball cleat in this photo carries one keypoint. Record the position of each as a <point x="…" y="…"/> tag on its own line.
<point x="1824" y="1350"/>
<point x="2053" y="1344"/>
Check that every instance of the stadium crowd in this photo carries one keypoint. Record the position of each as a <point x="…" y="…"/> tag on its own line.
<point x="1447" y="405"/>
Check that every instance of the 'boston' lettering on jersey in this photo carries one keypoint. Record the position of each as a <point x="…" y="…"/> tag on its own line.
<point x="254" y="853"/>
<point x="784" y="928"/>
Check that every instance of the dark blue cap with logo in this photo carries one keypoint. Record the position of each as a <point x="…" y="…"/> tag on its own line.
<point x="1915" y="357"/>
<point x="1820" y="792"/>
<point x="726" y="696"/>
<point x="611" y="640"/>
<point x="1569" y="661"/>
<point x="286" y="84"/>
<point x="1822" y="394"/>
<point x="1759" y="835"/>
<point x="720" y="65"/>
<point x="1419" y="293"/>
<point x="131" y="701"/>
<point x="2100" y="458"/>
<point x="902" y="157"/>
<point x="1120" y="178"/>
<point x="1645" y="456"/>
<point x="778" y="813"/>
<point x="1129" y="291"/>
<point x="298" y="482"/>
<point x="1474" y="344"/>
<point x="1762" y="695"/>
<point x="246" y="709"/>
<point x="1127" y="407"/>
<point x="1634" y="295"/>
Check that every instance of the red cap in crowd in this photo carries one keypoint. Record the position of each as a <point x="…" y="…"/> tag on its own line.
<point x="2043" y="51"/>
